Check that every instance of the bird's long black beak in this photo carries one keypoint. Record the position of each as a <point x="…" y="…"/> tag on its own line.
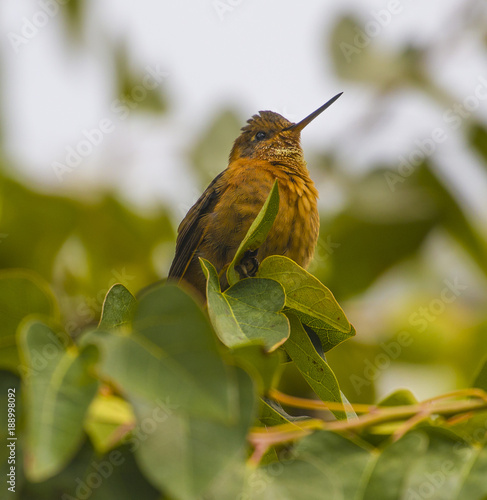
<point x="300" y="125"/>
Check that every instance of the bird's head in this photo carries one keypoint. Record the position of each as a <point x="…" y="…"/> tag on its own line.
<point x="269" y="136"/>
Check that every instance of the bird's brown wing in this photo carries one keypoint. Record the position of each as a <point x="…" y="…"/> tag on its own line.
<point x="191" y="231"/>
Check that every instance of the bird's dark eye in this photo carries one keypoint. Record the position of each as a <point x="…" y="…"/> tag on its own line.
<point x="260" y="136"/>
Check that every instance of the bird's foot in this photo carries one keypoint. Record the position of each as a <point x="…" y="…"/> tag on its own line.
<point x="249" y="265"/>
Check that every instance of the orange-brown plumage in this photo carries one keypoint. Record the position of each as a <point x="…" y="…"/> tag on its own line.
<point x="267" y="149"/>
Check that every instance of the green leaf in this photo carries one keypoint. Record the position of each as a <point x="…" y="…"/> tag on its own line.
<point x="289" y="479"/>
<point x="344" y="462"/>
<point x="310" y="300"/>
<point x="117" y="477"/>
<point x="171" y="352"/>
<point x="87" y="245"/>
<point x="312" y="366"/>
<point x="427" y="462"/>
<point x="453" y="217"/>
<point x="481" y="379"/>
<point x="473" y="429"/>
<point x="477" y="138"/>
<point x="271" y="413"/>
<point x="290" y="475"/>
<point x="134" y="93"/>
<point x="257" y="232"/>
<point x="22" y="293"/>
<point x="401" y="397"/>
<point x="382" y="245"/>
<point x="356" y="59"/>
<point x="381" y="433"/>
<point x="246" y="312"/>
<point x="73" y="13"/>
<point x="361" y="243"/>
<point x="322" y="466"/>
<point x="118" y="308"/>
<point x="185" y="454"/>
<point x="108" y="420"/>
<point x="473" y="483"/>
<point x="59" y="390"/>
<point x="262" y="366"/>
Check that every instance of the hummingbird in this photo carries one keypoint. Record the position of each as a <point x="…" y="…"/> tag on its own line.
<point x="268" y="148"/>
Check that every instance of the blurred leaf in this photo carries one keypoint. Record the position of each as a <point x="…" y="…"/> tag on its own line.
<point x="109" y="419"/>
<point x="381" y="434"/>
<point x="248" y="311"/>
<point x="59" y="390"/>
<point x="349" y="363"/>
<point x="310" y="300"/>
<point x="401" y="397"/>
<point x="453" y="217"/>
<point x="137" y="90"/>
<point x="312" y="366"/>
<point x="73" y="11"/>
<point x="36" y="245"/>
<point x="473" y="430"/>
<point x="257" y="232"/>
<point x="118" y="476"/>
<point x="113" y="476"/>
<point x="171" y="353"/>
<point x="481" y="379"/>
<point x="209" y="155"/>
<point x="185" y="454"/>
<point x="22" y="293"/>
<point x="323" y="465"/>
<point x="65" y="481"/>
<point x="477" y="138"/>
<point x="271" y="413"/>
<point x="297" y="479"/>
<point x="345" y="463"/>
<point x="368" y="249"/>
<point x="262" y="366"/>
<point x="356" y="57"/>
<point x="473" y="483"/>
<point x="434" y="465"/>
<point x="118" y="308"/>
<point x="123" y="255"/>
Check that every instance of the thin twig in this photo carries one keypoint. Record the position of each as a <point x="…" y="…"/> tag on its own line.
<point x="264" y="437"/>
<point x="314" y="404"/>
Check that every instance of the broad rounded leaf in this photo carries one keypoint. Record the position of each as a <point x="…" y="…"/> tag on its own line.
<point x="171" y="352"/>
<point x="401" y="397"/>
<point x="344" y="461"/>
<point x="118" y="308"/>
<point x="248" y="311"/>
<point x="183" y="454"/>
<point x="22" y="293"/>
<point x="309" y="299"/>
<point x="429" y="461"/>
<point x="59" y="390"/>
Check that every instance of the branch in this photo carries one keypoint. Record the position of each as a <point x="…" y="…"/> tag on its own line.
<point x="262" y="438"/>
